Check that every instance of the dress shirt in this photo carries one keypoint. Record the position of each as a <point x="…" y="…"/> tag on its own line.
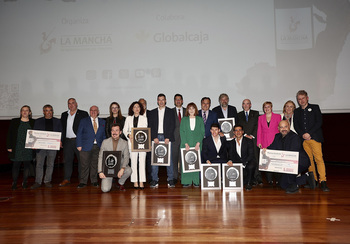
<point x="179" y="110"/>
<point x="238" y="147"/>
<point x="161" y="113"/>
<point x="92" y="121"/>
<point x="192" y="123"/>
<point x="70" y="120"/>
<point x="225" y="112"/>
<point x="217" y="143"/>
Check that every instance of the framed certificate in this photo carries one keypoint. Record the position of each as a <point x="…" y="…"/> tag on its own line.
<point x="111" y="163"/>
<point x="279" y="161"/>
<point x="190" y="160"/>
<point x="161" y="154"/>
<point x="40" y="139"/>
<point x="232" y="177"/>
<point x="211" y="176"/>
<point x="227" y="127"/>
<point x="141" y="139"/>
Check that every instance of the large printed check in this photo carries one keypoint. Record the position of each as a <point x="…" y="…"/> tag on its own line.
<point x="40" y="139"/>
<point x="279" y="161"/>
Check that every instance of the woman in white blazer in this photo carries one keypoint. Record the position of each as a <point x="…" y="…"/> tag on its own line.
<point x="136" y="120"/>
<point x="288" y="113"/>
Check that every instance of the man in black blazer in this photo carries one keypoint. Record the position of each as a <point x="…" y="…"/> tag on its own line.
<point x="70" y="122"/>
<point x="214" y="148"/>
<point x="209" y="116"/>
<point x="248" y="118"/>
<point x="241" y="150"/>
<point x="224" y="110"/>
<point x="161" y="120"/>
<point x="308" y="124"/>
<point x="179" y="112"/>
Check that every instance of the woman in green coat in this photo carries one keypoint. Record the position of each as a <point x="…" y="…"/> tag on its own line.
<point x="192" y="133"/>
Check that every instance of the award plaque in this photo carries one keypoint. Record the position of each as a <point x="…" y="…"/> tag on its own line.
<point x="141" y="139"/>
<point x="232" y="177"/>
<point x="211" y="176"/>
<point x="161" y="153"/>
<point x="111" y="163"/>
<point x="227" y="127"/>
<point x="190" y="160"/>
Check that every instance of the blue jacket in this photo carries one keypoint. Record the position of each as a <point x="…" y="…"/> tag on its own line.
<point x="212" y="118"/>
<point x="86" y="135"/>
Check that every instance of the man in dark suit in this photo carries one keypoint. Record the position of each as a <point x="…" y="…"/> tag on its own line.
<point x="161" y="120"/>
<point x="91" y="133"/>
<point x="214" y="149"/>
<point x="308" y="124"/>
<point x="209" y="117"/>
<point x="70" y="122"/>
<point x="224" y="110"/>
<point x="179" y="113"/>
<point x="46" y="123"/>
<point x="241" y="150"/>
<point x="248" y="118"/>
<point x="289" y="141"/>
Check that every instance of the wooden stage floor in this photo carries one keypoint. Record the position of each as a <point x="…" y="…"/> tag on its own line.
<point x="179" y="215"/>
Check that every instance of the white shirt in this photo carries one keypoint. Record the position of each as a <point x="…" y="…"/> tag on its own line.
<point x="161" y="113"/>
<point x="225" y="112"/>
<point x="179" y="110"/>
<point x="70" y="120"/>
<point x="238" y="147"/>
<point x="192" y="123"/>
<point x="217" y="144"/>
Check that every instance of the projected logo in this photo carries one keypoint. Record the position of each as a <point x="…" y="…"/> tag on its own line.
<point x="198" y="37"/>
<point x="47" y="43"/>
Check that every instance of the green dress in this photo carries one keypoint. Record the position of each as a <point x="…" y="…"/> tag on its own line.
<point x="191" y="137"/>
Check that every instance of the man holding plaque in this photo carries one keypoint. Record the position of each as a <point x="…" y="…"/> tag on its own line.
<point x="241" y="150"/>
<point x="289" y="141"/>
<point x="161" y="120"/>
<point x="214" y="149"/>
<point x="114" y="143"/>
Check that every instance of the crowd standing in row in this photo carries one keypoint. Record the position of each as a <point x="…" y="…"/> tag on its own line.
<point x="86" y="136"/>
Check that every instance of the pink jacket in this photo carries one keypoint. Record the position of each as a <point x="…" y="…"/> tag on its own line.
<point x="266" y="134"/>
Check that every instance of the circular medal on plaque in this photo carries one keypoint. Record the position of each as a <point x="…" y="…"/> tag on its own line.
<point x="160" y="151"/>
<point x="111" y="161"/>
<point x="140" y="137"/>
<point x="226" y="127"/>
<point x="190" y="157"/>
<point x="211" y="173"/>
<point x="232" y="174"/>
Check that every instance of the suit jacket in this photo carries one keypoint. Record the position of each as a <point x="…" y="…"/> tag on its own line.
<point x="40" y="124"/>
<point x="314" y="122"/>
<point x="247" y="151"/>
<point x="129" y="123"/>
<point x="177" y="125"/>
<point x="212" y="118"/>
<point x="107" y="145"/>
<point x="250" y="127"/>
<point x="78" y="116"/>
<point x="86" y="134"/>
<point x="232" y="112"/>
<point x="210" y="153"/>
<point x="266" y="134"/>
<point x="169" y="123"/>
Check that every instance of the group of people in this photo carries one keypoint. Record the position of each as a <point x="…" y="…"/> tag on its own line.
<point x="85" y="136"/>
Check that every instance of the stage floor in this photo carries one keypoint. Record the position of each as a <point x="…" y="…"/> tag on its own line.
<point x="264" y="215"/>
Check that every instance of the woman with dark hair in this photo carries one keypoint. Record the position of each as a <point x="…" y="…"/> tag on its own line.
<point x="136" y="120"/>
<point x="16" y="138"/>
<point x="192" y="133"/>
<point x="115" y="117"/>
<point x="267" y="129"/>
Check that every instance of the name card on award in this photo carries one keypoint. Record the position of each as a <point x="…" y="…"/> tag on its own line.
<point x="111" y="163"/>
<point x="161" y="153"/>
<point x="141" y="139"/>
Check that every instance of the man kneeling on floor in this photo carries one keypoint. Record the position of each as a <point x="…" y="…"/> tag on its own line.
<point x="114" y="143"/>
<point x="289" y="141"/>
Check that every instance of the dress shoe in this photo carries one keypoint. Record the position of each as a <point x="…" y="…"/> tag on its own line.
<point x="248" y="187"/>
<point x="292" y="188"/>
<point x="35" y="186"/>
<point x="95" y="184"/>
<point x="121" y="187"/>
<point x="48" y="185"/>
<point x="324" y="186"/>
<point x="311" y="183"/>
<point x="64" y="183"/>
<point x="24" y="185"/>
<point x="142" y="187"/>
<point x="14" y="185"/>
<point x="81" y="185"/>
<point x="136" y="187"/>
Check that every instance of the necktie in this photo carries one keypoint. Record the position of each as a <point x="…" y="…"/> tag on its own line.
<point x="204" y="115"/>
<point x="179" y="116"/>
<point x="95" y="126"/>
<point x="246" y="116"/>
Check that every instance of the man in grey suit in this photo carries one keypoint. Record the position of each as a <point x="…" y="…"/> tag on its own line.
<point x="175" y="149"/>
<point x="114" y="144"/>
<point x="248" y="118"/>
